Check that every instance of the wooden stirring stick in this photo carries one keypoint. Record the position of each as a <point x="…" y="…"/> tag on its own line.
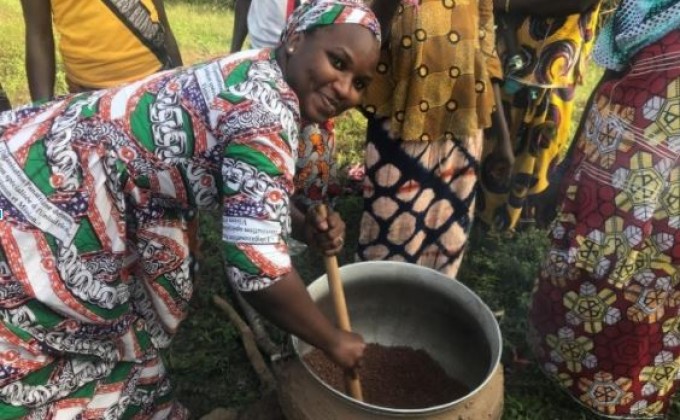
<point x="352" y="382"/>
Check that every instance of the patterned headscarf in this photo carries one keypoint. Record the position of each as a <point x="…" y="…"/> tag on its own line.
<point x="635" y="24"/>
<point x="316" y="13"/>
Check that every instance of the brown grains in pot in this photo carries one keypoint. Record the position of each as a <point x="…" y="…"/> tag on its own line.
<point x="394" y="377"/>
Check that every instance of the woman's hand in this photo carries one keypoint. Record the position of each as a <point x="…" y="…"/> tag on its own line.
<point x="287" y="303"/>
<point x="347" y="349"/>
<point x="324" y="230"/>
<point x="499" y="165"/>
<point x="500" y="162"/>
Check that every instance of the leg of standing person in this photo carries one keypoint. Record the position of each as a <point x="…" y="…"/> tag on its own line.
<point x="4" y="100"/>
<point x="540" y="126"/>
<point x="539" y="101"/>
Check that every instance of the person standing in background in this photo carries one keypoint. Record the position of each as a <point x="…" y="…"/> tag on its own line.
<point x="604" y="321"/>
<point x="435" y="91"/>
<point x="262" y="20"/>
<point x="545" y="57"/>
<point x="103" y="43"/>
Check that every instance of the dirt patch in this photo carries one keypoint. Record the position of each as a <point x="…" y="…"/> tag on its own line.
<point x="394" y="377"/>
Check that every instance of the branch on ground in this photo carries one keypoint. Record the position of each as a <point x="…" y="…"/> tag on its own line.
<point x="261" y="369"/>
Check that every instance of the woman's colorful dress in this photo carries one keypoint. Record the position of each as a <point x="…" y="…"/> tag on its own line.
<point x="605" y="315"/>
<point x="98" y="191"/>
<point x="431" y="99"/>
<point x="539" y="101"/>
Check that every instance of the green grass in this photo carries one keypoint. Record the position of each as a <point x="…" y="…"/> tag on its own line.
<point x="206" y="360"/>
<point x="202" y="30"/>
<point x="12" y="74"/>
<point x="208" y="365"/>
<point x="350" y="137"/>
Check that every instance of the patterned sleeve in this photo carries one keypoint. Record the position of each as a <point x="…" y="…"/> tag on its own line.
<point x="257" y="174"/>
<point x="487" y="35"/>
<point x="315" y="175"/>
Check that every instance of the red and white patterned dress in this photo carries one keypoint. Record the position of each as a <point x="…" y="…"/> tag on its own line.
<point x="98" y="191"/>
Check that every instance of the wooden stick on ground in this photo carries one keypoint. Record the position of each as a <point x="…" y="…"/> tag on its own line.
<point x="261" y="369"/>
<point x="255" y="321"/>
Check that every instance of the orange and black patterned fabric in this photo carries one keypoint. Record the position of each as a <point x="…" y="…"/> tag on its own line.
<point x="418" y="199"/>
<point x="315" y="169"/>
<point x="432" y="98"/>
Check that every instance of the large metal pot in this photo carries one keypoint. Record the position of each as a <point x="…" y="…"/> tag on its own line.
<point x="399" y="304"/>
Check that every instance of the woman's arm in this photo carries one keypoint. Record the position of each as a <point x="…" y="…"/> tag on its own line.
<point x="487" y="31"/>
<point x="40" y="60"/>
<point x="543" y="7"/>
<point x="503" y="154"/>
<point x="170" y="41"/>
<point x="255" y="226"/>
<point x="385" y="10"/>
<point x="240" y="30"/>
<point x="288" y="304"/>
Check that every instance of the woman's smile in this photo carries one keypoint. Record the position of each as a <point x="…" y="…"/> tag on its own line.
<point x="329" y="68"/>
<point x="329" y="106"/>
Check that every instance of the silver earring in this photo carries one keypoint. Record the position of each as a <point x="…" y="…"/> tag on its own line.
<point x="291" y="50"/>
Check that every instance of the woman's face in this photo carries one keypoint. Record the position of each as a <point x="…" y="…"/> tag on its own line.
<point x="330" y="67"/>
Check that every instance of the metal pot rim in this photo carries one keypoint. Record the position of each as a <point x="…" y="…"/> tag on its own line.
<point x="396" y="412"/>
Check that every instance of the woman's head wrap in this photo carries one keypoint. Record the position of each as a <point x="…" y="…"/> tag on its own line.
<point x="317" y="13"/>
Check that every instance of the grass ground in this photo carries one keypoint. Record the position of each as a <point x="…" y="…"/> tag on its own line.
<point x="206" y="360"/>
